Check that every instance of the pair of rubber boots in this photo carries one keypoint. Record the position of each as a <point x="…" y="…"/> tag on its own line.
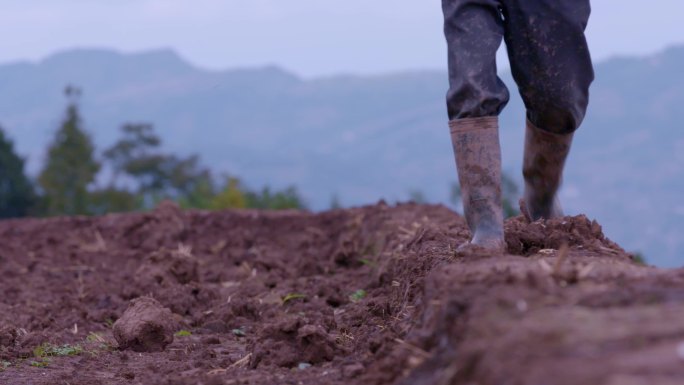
<point x="478" y="160"/>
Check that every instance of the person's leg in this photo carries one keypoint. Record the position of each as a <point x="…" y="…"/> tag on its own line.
<point x="551" y="64"/>
<point x="474" y="31"/>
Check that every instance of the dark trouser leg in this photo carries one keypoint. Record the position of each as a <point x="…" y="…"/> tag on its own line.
<point x="550" y="60"/>
<point x="551" y="64"/>
<point x="474" y="31"/>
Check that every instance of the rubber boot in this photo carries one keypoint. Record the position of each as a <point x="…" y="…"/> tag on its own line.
<point x="543" y="163"/>
<point x="478" y="161"/>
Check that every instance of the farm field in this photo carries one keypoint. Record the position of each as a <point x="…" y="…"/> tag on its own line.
<point x="370" y="295"/>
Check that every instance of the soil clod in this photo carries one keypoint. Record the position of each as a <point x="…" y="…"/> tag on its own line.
<point x="146" y="326"/>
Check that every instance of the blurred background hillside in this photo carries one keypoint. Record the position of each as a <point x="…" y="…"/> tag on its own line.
<point x="295" y="134"/>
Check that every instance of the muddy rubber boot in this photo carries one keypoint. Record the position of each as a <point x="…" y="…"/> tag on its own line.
<point x="543" y="163"/>
<point x="478" y="161"/>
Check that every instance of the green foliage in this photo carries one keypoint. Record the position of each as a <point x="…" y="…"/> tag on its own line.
<point x="131" y="151"/>
<point x="278" y="200"/>
<point x="17" y="196"/>
<point x="367" y="262"/>
<point x="141" y="175"/>
<point x="4" y="365"/>
<point x="113" y="200"/>
<point x="417" y="196"/>
<point x="49" y="350"/>
<point x="71" y="166"/>
<point x="335" y="202"/>
<point x="184" y="176"/>
<point x="41" y="363"/>
<point x="292" y="297"/>
<point x="96" y="344"/>
<point x="66" y="350"/>
<point x="182" y="333"/>
<point x="357" y="295"/>
<point x="231" y="196"/>
<point x="639" y="258"/>
<point x="95" y="337"/>
<point x="239" y="332"/>
<point x="136" y="159"/>
<point x="202" y="194"/>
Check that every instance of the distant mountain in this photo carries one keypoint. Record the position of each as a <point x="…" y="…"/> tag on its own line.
<point x="367" y="137"/>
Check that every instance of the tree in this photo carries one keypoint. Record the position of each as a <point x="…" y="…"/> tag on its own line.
<point x="279" y="200"/>
<point x="202" y="194"/>
<point x="134" y="153"/>
<point x="137" y="162"/>
<point x="417" y="196"/>
<point x="113" y="200"/>
<point x="17" y="195"/>
<point x="185" y="176"/>
<point x="70" y="167"/>
<point x="231" y="197"/>
<point x="335" y="202"/>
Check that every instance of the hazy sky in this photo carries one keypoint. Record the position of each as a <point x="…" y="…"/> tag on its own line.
<point x="310" y="37"/>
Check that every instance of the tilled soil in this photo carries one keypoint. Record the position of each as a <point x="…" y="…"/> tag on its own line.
<point x="372" y="295"/>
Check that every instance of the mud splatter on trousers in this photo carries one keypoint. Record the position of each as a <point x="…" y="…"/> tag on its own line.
<point x="547" y="49"/>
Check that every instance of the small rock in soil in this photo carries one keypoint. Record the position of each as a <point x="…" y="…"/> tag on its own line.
<point x="8" y="336"/>
<point x="146" y="326"/>
<point x="352" y="370"/>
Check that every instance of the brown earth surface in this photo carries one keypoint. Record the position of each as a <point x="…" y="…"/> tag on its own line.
<point x="372" y="295"/>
